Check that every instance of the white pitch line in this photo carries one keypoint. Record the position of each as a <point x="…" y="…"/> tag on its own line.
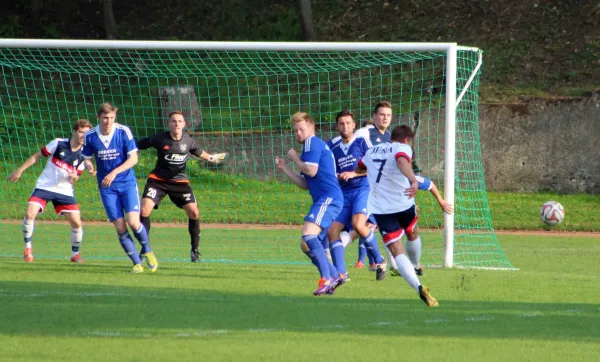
<point x="530" y="314"/>
<point x="9" y="293"/>
<point x="479" y="319"/>
<point x="441" y="320"/>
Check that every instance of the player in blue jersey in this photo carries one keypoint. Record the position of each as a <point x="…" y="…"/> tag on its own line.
<point x="318" y="176"/>
<point x="115" y="152"/>
<point x="376" y="132"/>
<point x="347" y="151"/>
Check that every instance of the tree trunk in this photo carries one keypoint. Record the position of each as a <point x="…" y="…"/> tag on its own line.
<point x="110" y="25"/>
<point x="305" y="17"/>
<point x="182" y="98"/>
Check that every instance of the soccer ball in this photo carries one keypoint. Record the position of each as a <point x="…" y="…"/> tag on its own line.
<point x="552" y="213"/>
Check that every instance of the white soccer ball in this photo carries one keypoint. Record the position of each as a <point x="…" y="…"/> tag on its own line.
<point x="552" y="213"/>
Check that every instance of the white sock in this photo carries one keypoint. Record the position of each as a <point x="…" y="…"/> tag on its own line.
<point x="345" y="238"/>
<point x="391" y="258"/>
<point x="413" y="250"/>
<point x="76" y="238"/>
<point x="27" y="232"/>
<point x="407" y="271"/>
<point x="328" y="253"/>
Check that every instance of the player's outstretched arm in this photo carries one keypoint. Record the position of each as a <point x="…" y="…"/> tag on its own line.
<point x="295" y="178"/>
<point x="446" y="207"/>
<point x="144" y="143"/>
<point x="214" y="158"/>
<point x="16" y="175"/>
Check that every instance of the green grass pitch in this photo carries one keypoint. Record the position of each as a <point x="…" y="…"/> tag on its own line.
<point x="549" y="310"/>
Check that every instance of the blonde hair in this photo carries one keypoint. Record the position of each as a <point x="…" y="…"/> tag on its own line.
<point x="302" y="117"/>
<point x="81" y="123"/>
<point x="107" y="107"/>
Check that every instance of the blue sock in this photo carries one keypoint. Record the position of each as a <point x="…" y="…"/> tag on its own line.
<point x="362" y="251"/>
<point x="333" y="272"/>
<point x="129" y="247"/>
<point x="373" y="249"/>
<point x="312" y="258"/>
<point x="370" y="254"/>
<point x="337" y="254"/>
<point x="142" y="236"/>
<point x="314" y="245"/>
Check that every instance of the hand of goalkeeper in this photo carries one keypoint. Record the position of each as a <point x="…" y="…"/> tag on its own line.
<point x="217" y="158"/>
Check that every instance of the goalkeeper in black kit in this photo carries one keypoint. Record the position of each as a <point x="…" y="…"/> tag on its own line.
<point x="169" y="176"/>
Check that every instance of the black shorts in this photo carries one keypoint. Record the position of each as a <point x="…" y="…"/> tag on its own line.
<point x="393" y="226"/>
<point x="179" y="192"/>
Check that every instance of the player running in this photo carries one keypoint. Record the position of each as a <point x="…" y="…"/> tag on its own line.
<point x="65" y="165"/>
<point x="169" y="176"/>
<point x="115" y="152"/>
<point x="318" y="176"/>
<point x="347" y="150"/>
<point x="391" y="200"/>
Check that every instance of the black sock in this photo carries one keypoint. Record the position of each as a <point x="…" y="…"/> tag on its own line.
<point x="146" y="222"/>
<point x="194" y="229"/>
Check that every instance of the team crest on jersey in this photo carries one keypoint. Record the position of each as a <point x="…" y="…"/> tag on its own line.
<point x="75" y="163"/>
<point x="183" y="147"/>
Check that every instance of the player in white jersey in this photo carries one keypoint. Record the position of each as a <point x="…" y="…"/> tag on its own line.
<point x="65" y="164"/>
<point x="391" y="200"/>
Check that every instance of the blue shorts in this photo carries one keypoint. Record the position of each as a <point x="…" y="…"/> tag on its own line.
<point x="424" y="183"/>
<point x="355" y="202"/>
<point x="324" y="211"/>
<point x="117" y="198"/>
<point x="62" y="203"/>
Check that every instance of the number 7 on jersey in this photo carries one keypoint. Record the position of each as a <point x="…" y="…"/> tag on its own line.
<point x="380" y="168"/>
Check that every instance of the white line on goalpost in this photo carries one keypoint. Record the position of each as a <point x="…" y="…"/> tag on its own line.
<point x="451" y="76"/>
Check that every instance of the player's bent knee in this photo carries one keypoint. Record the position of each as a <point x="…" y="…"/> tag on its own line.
<point x="396" y="248"/>
<point x="411" y="236"/>
<point x="311" y="228"/>
<point x="75" y="224"/>
<point x="303" y="246"/>
<point x="194" y="214"/>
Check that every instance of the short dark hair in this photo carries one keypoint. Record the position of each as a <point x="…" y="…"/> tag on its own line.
<point x="343" y="113"/>
<point x="175" y="112"/>
<point x="81" y="123"/>
<point x="402" y="132"/>
<point x="382" y="104"/>
<point x="367" y="122"/>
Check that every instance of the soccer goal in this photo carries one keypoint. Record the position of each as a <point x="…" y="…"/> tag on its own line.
<point x="237" y="98"/>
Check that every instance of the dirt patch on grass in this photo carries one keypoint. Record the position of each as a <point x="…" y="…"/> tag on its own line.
<point x="297" y="227"/>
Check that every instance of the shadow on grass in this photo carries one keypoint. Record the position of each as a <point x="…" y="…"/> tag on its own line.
<point x="61" y="309"/>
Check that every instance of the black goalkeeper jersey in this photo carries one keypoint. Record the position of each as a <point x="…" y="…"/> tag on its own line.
<point x="171" y="155"/>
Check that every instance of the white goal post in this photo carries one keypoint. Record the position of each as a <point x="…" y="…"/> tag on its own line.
<point x="451" y="99"/>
